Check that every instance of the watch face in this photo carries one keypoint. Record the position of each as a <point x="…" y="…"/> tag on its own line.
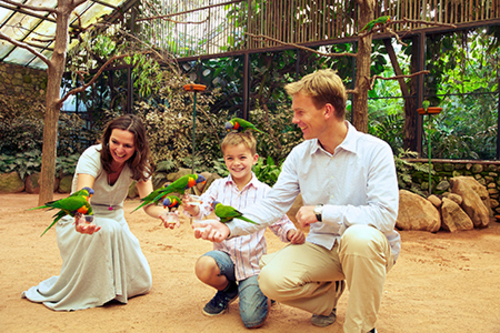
<point x="318" y="209"/>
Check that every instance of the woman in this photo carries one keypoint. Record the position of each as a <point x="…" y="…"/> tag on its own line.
<point x="103" y="260"/>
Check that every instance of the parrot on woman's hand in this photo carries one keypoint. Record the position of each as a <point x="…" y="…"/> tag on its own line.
<point x="241" y="125"/>
<point x="77" y="203"/>
<point x="171" y="201"/>
<point x="379" y="21"/>
<point x="228" y="213"/>
<point x="179" y="186"/>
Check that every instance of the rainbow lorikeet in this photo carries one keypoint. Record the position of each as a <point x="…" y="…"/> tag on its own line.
<point x="379" y="21"/>
<point x="76" y="203"/>
<point x="241" y="125"/>
<point x="425" y="105"/>
<point x="171" y="201"/>
<point x="227" y="213"/>
<point x="179" y="186"/>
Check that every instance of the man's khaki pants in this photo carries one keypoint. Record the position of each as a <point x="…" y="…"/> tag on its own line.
<point x="303" y="276"/>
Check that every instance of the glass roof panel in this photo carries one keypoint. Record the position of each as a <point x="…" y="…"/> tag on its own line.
<point x="37" y="28"/>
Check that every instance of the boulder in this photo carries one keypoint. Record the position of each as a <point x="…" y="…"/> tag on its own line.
<point x="11" y="183"/>
<point x="65" y="184"/>
<point x="471" y="201"/>
<point x="477" y="187"/>
<point x="31" y="182"/>
<point x="454" y="197"/>
<point x="417" y="213"/>
<point x="454" y="218"/>
<point x="434" y="199"/>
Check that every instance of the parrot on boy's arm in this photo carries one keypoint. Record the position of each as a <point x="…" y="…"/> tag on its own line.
<point x="77" y="203"/>
<point x="171" y="201"/>
<point x="227" y="213"/>
<point x="179" y="186"/>
<point x="379" y="21"/>
<point x="241" y="125"/>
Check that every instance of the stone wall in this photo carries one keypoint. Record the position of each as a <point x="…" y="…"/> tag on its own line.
<point x="23" y="82"/>
<point x="485" y="172"/>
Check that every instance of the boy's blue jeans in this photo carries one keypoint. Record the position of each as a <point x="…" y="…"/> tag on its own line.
<point x="253" y="303"/>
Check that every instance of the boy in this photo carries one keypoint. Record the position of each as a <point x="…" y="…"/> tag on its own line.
<point x="232" y="267"/>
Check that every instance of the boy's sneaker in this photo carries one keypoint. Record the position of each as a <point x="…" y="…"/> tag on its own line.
<point x="220" y="303"/>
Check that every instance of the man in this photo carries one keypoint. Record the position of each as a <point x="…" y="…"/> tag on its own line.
<point x="349" y="188"/>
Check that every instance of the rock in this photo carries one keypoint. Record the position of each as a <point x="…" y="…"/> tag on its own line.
<point x="494" y="203"/>
<point x="454" y="197"/>
<point x="477" y="168"/>
<point x="435" y="200"/>
<point x="31" y="182"/>
<point x="472" y="203"/>
<point x="443" y="185"/>
<point x="454" y="218"/>
<point x="417" y="213"/>
<point x="65" y="184"/>
<point x="11" y="183"/>
<point x="480" y="189"/>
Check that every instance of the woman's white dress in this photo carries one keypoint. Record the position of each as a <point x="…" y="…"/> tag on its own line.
<point x="101" y="267"/>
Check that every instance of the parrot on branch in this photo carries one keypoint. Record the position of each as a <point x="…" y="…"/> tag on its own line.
<point x="179" y="186"/>
<point x="76" y="203"/>
<point x="241" y="125"/>
<point x="228" y="213"/>
<point x="425" y="105"/>
<point x="379" y="21"/>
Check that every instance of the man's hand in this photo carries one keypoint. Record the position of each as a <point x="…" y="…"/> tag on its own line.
<point x="83" y="226"/>
<point x="211" y="230"/>
<point x="305" y="216"/>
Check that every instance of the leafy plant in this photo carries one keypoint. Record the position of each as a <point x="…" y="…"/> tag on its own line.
<point x="267" y="172"/>
<point x="406" y="168"/>
<point x="24" y="163"/>
<point x="66" y="165"/>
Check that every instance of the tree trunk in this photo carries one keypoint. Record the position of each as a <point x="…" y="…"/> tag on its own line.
<point x="54" y="77"/>
<point x="363" y="61"/>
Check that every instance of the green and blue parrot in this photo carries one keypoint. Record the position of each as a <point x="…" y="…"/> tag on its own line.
<point x="171" y="202"/>
<point x="227" y="213"/>
<point x="241" y="125"/>
<point x="379" y="21"/>
<point x="76" y="203"/>
<point x="179" y="186"/>
<point x="425" y="105"/>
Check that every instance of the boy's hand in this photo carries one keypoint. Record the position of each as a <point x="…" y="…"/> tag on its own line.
<point x="296" y="236"/>
<point x="213" y="231"/>
<point x="193" y="210"/>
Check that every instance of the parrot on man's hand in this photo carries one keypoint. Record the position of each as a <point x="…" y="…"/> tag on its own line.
<point x="228" y="213"/>
<point x="379" y="21"/>
<point x="179" y="186"/>
<point x="171" y="202"/>
<point x="241" y="125"/>
<point x="76" y="203"/>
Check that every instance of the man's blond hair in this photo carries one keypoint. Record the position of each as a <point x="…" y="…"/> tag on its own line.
<point x="235" y="138"/>
<point x="324" y="86"/>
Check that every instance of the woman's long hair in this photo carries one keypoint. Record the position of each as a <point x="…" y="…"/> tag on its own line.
<point x="139" y="162"/>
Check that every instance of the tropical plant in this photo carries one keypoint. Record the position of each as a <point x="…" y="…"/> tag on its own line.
<point x="267" y="172"/>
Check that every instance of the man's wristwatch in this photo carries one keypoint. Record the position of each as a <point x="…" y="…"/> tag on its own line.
<point x="318" y="210"/>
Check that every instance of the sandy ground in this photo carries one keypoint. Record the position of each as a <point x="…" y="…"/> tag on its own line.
<point x="442" y="282"/>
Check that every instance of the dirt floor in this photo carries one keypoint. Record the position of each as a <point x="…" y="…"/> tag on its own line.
<point x="443" y="282"/>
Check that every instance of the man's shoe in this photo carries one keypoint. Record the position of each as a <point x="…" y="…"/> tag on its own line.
<point x="373" y="330"/>
<point x="220" y="302"/>
<point x="323" y="321"/>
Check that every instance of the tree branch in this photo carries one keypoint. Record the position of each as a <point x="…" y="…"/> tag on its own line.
<point x="86" y="85"/>
<point x="27" y="47"/>
<point x="397" y="77"/>
<point x="330" y="55"/>
<point x="34" y="8"/>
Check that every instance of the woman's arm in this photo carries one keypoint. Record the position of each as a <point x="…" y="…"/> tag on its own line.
<point x="146" y="187"/>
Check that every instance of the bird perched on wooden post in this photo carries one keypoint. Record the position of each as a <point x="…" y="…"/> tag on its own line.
<point x="379" y="21"/>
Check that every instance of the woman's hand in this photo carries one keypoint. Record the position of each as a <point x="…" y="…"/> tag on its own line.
<point x="83" y="226"/>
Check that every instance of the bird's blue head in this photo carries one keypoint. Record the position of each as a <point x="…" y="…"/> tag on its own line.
<point x="91" y="191"/>
<point x="200" y="179"/>
<point x="167" y="202"/>
<point x="229" y="126"/>
<point x="214" y="204"/>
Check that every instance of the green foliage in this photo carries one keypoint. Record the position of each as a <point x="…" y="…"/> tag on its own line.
<point x="66" y="165"/>
<point x="24" y="163"/>
<point x="406" y="168"/>
<point x="267" y="172"/>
